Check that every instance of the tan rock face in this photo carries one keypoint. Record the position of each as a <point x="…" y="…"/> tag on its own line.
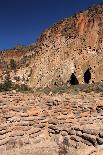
<point x="73" y="46"/>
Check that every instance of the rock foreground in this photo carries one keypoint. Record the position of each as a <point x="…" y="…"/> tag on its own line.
<point x="61" y="124"/>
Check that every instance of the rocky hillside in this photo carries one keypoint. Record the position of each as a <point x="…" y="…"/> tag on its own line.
<point x="71" y="51"/>
<point x="56" y="118"/>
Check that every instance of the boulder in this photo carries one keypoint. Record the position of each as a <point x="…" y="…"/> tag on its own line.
<point x="90" y="138"/>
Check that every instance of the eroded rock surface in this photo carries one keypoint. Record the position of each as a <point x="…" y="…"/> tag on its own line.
<point x="73" y="46"/>
<point x="50" y="124"/>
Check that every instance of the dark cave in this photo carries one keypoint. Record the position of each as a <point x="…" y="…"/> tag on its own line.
<point x="73" y="80"/>
<point x="87" y="76"/>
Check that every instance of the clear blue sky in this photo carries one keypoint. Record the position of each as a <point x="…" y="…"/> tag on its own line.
<point x="22" y="21"/>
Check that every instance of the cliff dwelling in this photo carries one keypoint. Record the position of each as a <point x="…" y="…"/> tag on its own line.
<point x="73" y="80"/>
<point x="87" y="76"/>
<point x="61" y="55"/>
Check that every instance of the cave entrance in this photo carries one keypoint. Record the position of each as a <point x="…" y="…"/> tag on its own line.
<point x="73" y="80"/>
<point x="87" y="76"/>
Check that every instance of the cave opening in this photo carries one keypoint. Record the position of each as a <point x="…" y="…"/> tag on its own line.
<point x="87" y="76"/>
<point x="73" y="80"/>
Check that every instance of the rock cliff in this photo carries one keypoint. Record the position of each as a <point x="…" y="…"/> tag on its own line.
<point x="71" y="51"/>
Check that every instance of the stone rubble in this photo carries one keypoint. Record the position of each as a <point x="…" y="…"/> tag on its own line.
<point x="47" y="118"/>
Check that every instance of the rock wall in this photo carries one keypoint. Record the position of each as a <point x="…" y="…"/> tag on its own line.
<point x="72" y="46"/>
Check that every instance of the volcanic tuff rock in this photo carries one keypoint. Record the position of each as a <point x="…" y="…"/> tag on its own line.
<point x="40" y="124"/>
<point x="56" y="123"/>
<point x="72" y="48"/>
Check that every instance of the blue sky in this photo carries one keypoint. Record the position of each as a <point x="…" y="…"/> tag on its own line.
<point x="22" y="21"/>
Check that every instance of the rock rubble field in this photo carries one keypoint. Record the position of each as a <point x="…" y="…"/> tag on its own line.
<point x="59" y="124"/>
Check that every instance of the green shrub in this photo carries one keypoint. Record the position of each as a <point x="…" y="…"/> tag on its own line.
<point x="1" y="86"/>
<point x="13" y="64"/>
<point x="22" y="88"/>
<point x="45" y="90"/>
<point x="17" y="78"/>
<point x="59" y="89"/>
<point x="74" y="89"/>
<point x="7" y="85"/>
<point x="54" y="89"/>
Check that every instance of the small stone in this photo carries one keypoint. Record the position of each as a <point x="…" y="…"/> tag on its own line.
<point x="29" y="118"/>
<point x="75" y="138"/>
<point x="90" y="138"/>
<point x="24" y="115"/>
<point x="34" y="130"/>
<point x="2" y="132"/>
<point x="101" y="134"/>
<point x="52" y="127"/>
<point x="79" y="133"/>
<point x="16" y="133"/>
<point x="71" y="132"/>
<point x="99" y="141"/>
<point x="53" y="121"/>
<point x="51" y="131"/>
<point x="64" y="133"/>
<point x="90" y="131"/>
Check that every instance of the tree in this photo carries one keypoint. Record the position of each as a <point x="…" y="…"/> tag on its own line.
<point x="7" y="85"/>
<point x="13" y="64"/>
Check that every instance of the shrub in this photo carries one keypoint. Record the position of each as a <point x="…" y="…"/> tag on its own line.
<point x="17" y="78"/>
<point x="7" y="85"/>
<point x="1" y="86"/>
<point x="22" y="88"/>
<point x="13" y="64"/>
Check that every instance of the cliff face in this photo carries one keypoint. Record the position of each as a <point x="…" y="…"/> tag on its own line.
<point x="70" y="51"/>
